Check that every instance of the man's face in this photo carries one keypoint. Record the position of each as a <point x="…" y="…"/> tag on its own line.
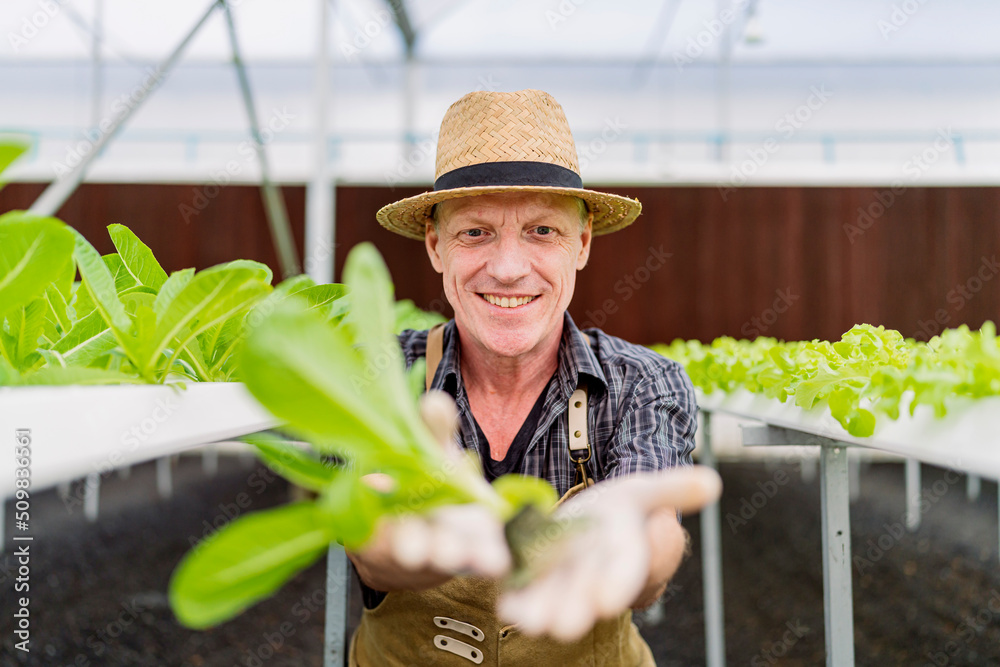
<point x="509" y="264"/>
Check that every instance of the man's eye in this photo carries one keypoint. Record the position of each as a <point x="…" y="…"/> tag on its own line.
<point x="473" y="232"/>
<point x="544" y="231"/>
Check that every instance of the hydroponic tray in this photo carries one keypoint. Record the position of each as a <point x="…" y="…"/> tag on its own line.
<point x="77" y="430"/>
<point x="966" y="439"/>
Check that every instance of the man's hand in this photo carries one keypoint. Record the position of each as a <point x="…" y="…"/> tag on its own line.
<point x="418" y="552"/>
<point x="627" y="548"/>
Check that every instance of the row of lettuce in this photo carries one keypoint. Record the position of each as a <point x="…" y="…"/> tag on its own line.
<point x="126" y="320"/>
<point x="861" y="378"/>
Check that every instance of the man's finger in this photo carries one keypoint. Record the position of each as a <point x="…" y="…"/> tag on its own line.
<point x="685" y="489"/>
<point x="439" y="412"/>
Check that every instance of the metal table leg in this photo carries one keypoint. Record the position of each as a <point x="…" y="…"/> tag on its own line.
<point x="972" y="488"/>
<point x="711" y="563"/>
<point x="91" y="496"/>
<point x="837" y="601"/>
<point x="164" y="483"/>
<point x="335" y="636"/>
<point x="912" y="494"/>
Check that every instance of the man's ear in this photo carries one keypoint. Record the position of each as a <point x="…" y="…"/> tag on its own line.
<point x="431" y="243"/>
<point x="585" y="237"/>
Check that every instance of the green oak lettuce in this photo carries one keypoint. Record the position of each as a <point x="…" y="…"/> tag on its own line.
<point x="859" y="378"/>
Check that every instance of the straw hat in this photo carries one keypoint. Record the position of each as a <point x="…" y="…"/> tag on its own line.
<point x="506" y="142"/>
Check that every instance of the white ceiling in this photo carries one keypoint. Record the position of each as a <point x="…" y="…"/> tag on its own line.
<point x="847" y="30"/>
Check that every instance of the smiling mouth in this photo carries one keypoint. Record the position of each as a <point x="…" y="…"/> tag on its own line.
<point x="508" y="301"/>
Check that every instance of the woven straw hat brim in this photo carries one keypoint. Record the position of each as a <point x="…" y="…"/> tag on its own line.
<point x="410" y="216"/>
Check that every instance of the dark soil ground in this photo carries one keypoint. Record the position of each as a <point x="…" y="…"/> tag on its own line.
<point x="926" y="598"/>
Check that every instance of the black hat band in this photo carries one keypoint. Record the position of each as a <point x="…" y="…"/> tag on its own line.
<point x="486" y="174"/>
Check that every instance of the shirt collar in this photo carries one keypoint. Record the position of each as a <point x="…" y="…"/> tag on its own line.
<point x="576" y="358"/>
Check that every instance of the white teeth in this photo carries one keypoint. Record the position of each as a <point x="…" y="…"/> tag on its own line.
<point x="507" y="302"/>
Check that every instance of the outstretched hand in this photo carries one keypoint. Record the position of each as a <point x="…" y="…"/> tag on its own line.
<point x="622" y="544"/>
<point x="422" y="551"/>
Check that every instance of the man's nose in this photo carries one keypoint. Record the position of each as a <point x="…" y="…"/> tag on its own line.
<point x="510" y="261"/>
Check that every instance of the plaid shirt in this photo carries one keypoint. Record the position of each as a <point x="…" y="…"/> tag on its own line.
<point x="641" y="410"/>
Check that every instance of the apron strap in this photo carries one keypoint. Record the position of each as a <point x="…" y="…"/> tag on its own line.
<point x="579" y="440"/>
<point x="435" y="348"/>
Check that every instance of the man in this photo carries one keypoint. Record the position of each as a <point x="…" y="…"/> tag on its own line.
<point x="508" y="225"/>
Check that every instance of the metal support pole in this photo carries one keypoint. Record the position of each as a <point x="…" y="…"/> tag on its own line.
<point x="3" y="525"/>
<point x="335" y="636"/>
<point x="91" y="496"/>
<point x="95" y="66"/>
<point x="854" y="475"/>
<point x="319" y="261"/>
<point x="711" y="563"/>
<point x="274" y="204"/>
<point x="164" y="484"/>
<point x="59" y="191"/>
<point x="973" y="486"/>
<point x="837" y="601"/>
<point x="210" y="460"/>
<point x="912" y="494"/>
<point x="807" y="469"/>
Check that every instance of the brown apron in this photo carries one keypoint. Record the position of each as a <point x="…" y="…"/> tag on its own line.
<point x="456" y="623"/>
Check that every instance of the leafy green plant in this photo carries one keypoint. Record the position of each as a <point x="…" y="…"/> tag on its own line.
<point x="342" y="387"/>
<point x="859" y="378"/>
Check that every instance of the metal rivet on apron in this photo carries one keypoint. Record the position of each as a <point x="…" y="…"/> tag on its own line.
<point x="459" y="648"/>
<point x="459" y="626"/>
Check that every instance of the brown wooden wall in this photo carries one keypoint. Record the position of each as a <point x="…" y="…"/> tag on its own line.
<point x="790" y="262"/>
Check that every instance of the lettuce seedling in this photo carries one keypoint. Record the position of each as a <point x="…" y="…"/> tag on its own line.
<point x="343" y="388"/>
